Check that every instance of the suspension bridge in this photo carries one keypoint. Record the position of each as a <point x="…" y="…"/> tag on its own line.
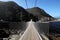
<point x="31" y="33"/>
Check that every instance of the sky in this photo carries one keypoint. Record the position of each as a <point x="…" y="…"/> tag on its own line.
<point x="52" y="7"/>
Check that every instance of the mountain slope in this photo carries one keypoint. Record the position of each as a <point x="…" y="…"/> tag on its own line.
<point x="39" y="13"/>
<point x="10" y="11"/>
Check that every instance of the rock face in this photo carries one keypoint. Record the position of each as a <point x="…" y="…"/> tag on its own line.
<point x="4" y="27"/>
<point x="40" y="14"/>
<point x="10" y="11"/>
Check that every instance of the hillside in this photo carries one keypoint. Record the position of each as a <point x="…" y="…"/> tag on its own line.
<point x="40" y="14"/>
<point x="11" y="11"/>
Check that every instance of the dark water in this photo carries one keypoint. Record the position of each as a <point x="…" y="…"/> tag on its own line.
<point x="54" y="27"/>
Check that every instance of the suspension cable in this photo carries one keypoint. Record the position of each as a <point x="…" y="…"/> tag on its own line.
<point x="35" y="3"/>
<point x="26" y="3"/>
